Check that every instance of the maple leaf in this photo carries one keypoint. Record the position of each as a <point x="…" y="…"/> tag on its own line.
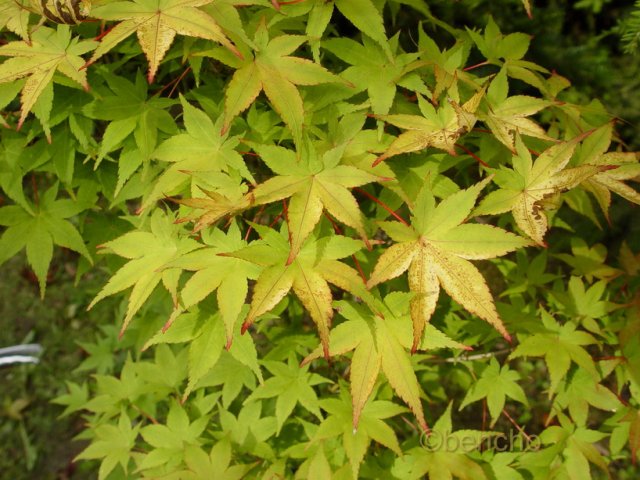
<point x="272" y="70"/>
<point x="589" y="262"/>
<point x="559" y="345"/>
<point x="128" y="109"/>
<point x="50" y="51"/>
<point x="291" y="384"/>
<point x="314" y="182"/>
<point x="14" y="15"/>
<point x="495" y="384"/>
<point x="372" y="71"/>
<point x="169" y="441"/>
<point x="112" y="444"/>
<point x="447" y="65"/>
<point x="575" y="447"/>
<point x="507" y="116"/>
<point x="379" y="342"/>
<point x="148" y="252"/>
<point x="249" y="430"/>
<point x="440" y="129"/>
<point x="227" y="275"/>
<point x="584" y="304"/>
<point x="580" y="390"/>
<point x="528" y="184"/>
<point x="363" y="14"/>
<point x="594" y="152"/>
<point x="443" y="453"/>
<point x="38" y="229"/>
<point x="371" y="427"/>
<point x="308" y="274"/>
<point x="436" y="249"/>
<point x="204" y="330"/>
<point x="201" y="150"/>
<point x="216" y="464"/>
<point x="156" y="23"/>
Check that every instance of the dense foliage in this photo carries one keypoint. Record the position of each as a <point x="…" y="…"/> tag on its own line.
<point x="336" y="248"/>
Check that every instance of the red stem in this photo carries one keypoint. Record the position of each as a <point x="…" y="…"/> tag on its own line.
<point x="481" y="64"/>
<point x="255" y="217"/>
<point x="383" y="205"/>
<point x="178" y="80"/>
<point x="470" y="153"/>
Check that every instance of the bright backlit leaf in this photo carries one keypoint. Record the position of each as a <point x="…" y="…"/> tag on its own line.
<point x="436" y="250"/>
<point x="156" y="23"/>
<point x="49" y="51"/>
<point x="524" y="188"/>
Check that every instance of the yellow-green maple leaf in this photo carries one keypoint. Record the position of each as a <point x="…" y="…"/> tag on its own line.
<point x="148" y="253"/>
<point x="273" y="70"/>
<point x="508" y="116"/>
<point x="14" y="15"/>
<point x="49" y="51"/>
<point x="528" y="184"/>
<point x="314" y="183"/>
<point x="436" y="128"/>
<point x="309" y="275"/>
<point x="379" y="342"/>
<point x="594" y="152"/>
<point x="213" y="271"/>
<point x="436" y="250"/>
<point x="156" y="23"/>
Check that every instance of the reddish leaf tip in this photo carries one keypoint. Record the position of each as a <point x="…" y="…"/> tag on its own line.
<point x="229" y="343"/>
<point x="381" y="158"/>
<point x="245" y="326"/>
<point x="425" y="428"/>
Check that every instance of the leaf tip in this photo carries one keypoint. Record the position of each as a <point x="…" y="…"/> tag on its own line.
<point x="381" y="158"/>
<point x="245" y="326"/>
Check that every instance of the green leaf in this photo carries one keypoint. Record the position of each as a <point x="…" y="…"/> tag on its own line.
<point x="371" y="427"/>
<point x="440" y="129"/>
<point x="495" y="384"/>
<point x="291" y="384"/>
<point x="277" y="73"/>
<point x="559" y="345"/>
<point x="366" y="18"/>
<point x="112" y="444"/>
<point x="379" y="341"/>
<point x="443" y="453"/>
<point x="39" y="231"/>
<point x="372" y="71"/>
